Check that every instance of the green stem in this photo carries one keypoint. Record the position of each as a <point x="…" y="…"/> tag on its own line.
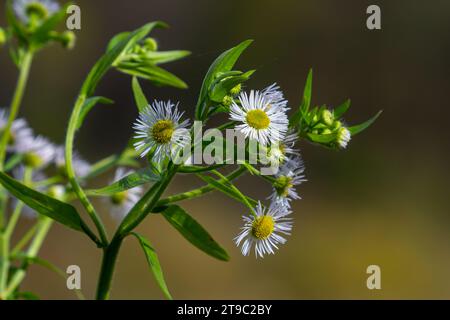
<point x="195" y="193"/>
<point x="15" y="104"/>
<point x="13" y="112"/>
<point x="71" y="172"/>
<point x="6" y="236"/>
<point x="25" y="239"/>
<point x="43" y="229"/>
<point x="111" y="252"/>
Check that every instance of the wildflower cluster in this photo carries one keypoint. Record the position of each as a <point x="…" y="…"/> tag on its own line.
<point x="47" y="178"/>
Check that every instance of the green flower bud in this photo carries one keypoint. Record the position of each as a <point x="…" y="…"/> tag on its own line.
<point x="315" y="118"/>
<point x="236" y="90"/>
<point x="336" y="125"/>
<point x="326" y="131"/>
<point x="32" y="160"/>
<point x="150" y="44"/>
<point x="119" y="198"/>
<point x="227" y="101"/>
<point x="36" y="10"/>
<point x="58" y="192"/>
<point x="327" y="117"/>
<point x="2" y="36"/>
<point x="68" y="39"/>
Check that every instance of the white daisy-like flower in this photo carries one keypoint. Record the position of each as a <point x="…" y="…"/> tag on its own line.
<point x="20" y="131"/>
<point x="261" y="120"/>
<point x="36" y="176"/>
<point x="81" y="166"/>
<point x="159" y="130"/>
<point x="278" y="152"/>
<point x="263" y="230"/>
<point x="38" y="152"/>
<point x="122" y="202"/>
<point x="290" y="175"/>
<point x="343" y="137"/>
<point x="275" y="96"/>
<point x="41" y="8"/>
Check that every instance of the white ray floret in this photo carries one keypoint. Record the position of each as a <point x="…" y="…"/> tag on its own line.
<point x="289" y="176"/>
<point x="44" y="8"/>
<point x="159" y="130"/>
<point x="20" y="132"/>
<point x="264" y="230"/>
<point x="38" y="152"/>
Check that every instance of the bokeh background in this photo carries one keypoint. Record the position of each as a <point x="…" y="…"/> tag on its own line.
<point x="383" y="201"/>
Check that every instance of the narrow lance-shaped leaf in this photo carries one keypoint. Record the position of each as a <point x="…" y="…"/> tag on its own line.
<point x="192" y="231"/>
<point x="139" y="96"/>
<point x="88" y="105"/>
<point x="159" y="57"/>
<point x="306" y="101"/>
<point x="153" y="262"/>
<point x="102" y="66"/>
<point x="342" y="109"/>
<point x="225" y="62"/>
<point x="57" y="210"/>
<point x="354" y="130"/>
<point x="322" y="138"/>
<point x="157" y="75"/>
<point x="132" y="180"/>
<point x="223" y="87"/>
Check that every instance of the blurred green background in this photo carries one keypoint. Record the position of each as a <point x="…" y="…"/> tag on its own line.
<point x="383" y="201"/>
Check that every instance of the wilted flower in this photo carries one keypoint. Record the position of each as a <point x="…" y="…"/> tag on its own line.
<point x="158" y="129"/>
<point x="278" y="152"/>
<point x="263" y="230"/>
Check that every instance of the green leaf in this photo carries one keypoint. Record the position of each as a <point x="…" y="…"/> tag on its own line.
<point x="342" y="109"/>
<point x="26" y="296"/>
<point x="132" y="180"/>
<point x="354" y="130"/>
<point x="225" y="62"/>
<point x="322" y="138"/>
<point x="192" y="231"/>
<point x="14" y="23"/>
<point x="224" y="188"/>
<point x="57" y="210"/>
<point x="153" y="262"/>
<point x="88" y="105"/>
<point x="306" y="101"/>
<point x="159" y="57"/>
<point x="223" y="87"/>
<point x="13" y="161"/>
<point x="116" y="40"/>
<point x="153" y="73"/>
<point x="41" y="35"/>
<point x="103" y="65"/>
<point x="139" y="96"/>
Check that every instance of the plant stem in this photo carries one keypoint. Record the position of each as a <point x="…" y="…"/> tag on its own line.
<point x="111" y="252"/>
<point x="71" y="172"/>
<point x="195" y="193"/>
<point x="15" y="104"/>
<point x="13" y="112"/>
<point x="43" y="229"/>
<point x="7" y="233"/>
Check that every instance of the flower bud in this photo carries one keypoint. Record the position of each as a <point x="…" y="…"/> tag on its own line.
<point x="327" y="117"/>
<point x="236" y="90"/>
<point x="32" y="160"/>
<point x="58" y="192"/>
<point x="326" y="131"/>
<point x="227" y="101"/>
<point x="150" y="44"/>
<point x="2" y="36"/>
<point x="336" y="125"/>
<point x="68" y="39"/>
<point x="343" y="137"/>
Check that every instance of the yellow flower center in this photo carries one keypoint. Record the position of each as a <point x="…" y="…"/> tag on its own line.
<point x="282" y="186"/>
<point x="263" y="227"/>
<point x="258" y="119"/>
<point x="119" y="198"/>
<point x="162" y="131"/>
